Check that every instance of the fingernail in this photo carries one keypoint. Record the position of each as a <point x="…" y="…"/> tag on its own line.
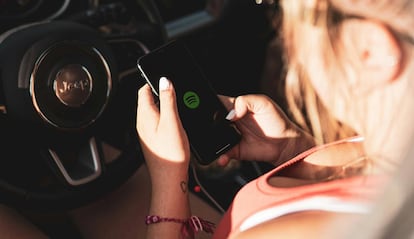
<point x="164" y="83"/>
<point x="231" y="115"/>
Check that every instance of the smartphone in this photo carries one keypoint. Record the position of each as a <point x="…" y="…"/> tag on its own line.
<point x="202" y="113"/>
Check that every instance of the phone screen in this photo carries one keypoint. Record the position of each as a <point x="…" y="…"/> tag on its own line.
<point x="201" y="112"/>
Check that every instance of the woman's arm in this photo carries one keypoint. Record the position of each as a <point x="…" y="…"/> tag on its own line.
<point x="169" y="201"/>
<point x="166" y="150"/>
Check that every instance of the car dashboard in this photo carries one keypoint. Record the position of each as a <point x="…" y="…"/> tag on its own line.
<point x="229" y="38"/>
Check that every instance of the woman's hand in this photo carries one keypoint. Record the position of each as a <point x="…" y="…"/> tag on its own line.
<point x="163" y="140"/>
<point x="267" y="134"/>
<point x="166" y="150"/>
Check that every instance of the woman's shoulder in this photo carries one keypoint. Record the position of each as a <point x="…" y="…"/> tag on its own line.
<point x="261" y="200"/>
<point x="310" y="224"/>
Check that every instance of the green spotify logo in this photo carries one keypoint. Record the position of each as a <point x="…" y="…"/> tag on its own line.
<point x="191" y="99"/>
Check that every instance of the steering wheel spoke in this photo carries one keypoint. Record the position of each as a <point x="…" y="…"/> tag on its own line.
<point x="79" y="164"/>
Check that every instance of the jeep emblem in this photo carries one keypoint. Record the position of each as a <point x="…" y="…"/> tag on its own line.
<point x="73" y="85"/>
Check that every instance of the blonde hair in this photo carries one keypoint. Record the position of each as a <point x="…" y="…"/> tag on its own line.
<point x="304" y="104"/>
<point x="305" y="107"/>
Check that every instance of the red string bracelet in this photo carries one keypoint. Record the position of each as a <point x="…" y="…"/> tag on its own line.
<point x="191" y="225"/>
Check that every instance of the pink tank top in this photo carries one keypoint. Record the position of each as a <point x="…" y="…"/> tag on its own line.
<point x="258" y="201"/>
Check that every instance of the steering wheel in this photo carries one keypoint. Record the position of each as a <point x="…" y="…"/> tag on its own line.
<point x="67" y="114"/>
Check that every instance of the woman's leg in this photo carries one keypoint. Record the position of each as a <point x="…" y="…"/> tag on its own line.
<point x="122" y="213"/>
<point x="13" y="225"/>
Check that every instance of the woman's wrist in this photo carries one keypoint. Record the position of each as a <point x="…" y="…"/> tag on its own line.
<point x="297" y="142"/>
<point x="169" y="199"/>
<point x="169" y="178"/>
<point x="170" y="188"/>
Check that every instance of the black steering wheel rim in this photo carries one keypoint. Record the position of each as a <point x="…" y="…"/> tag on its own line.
<point x="100" y="128"/>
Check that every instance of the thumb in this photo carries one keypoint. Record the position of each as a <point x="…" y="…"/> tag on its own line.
<point x="168" y="104"/>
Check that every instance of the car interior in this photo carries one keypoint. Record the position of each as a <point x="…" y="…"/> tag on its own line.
<point x="68" y="138"/>
<point x="69" y="84"/>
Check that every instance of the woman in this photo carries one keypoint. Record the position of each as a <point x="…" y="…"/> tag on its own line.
<point x="349" y="65"/>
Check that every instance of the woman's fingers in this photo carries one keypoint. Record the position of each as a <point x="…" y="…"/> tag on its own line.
<point x="168" y="105"/>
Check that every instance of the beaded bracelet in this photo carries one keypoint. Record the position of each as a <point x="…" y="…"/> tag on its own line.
<point x="190" y="226"/>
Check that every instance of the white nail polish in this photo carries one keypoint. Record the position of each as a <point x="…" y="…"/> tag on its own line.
<point x="164" y="84"/>
<point x="231" y="115"/>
